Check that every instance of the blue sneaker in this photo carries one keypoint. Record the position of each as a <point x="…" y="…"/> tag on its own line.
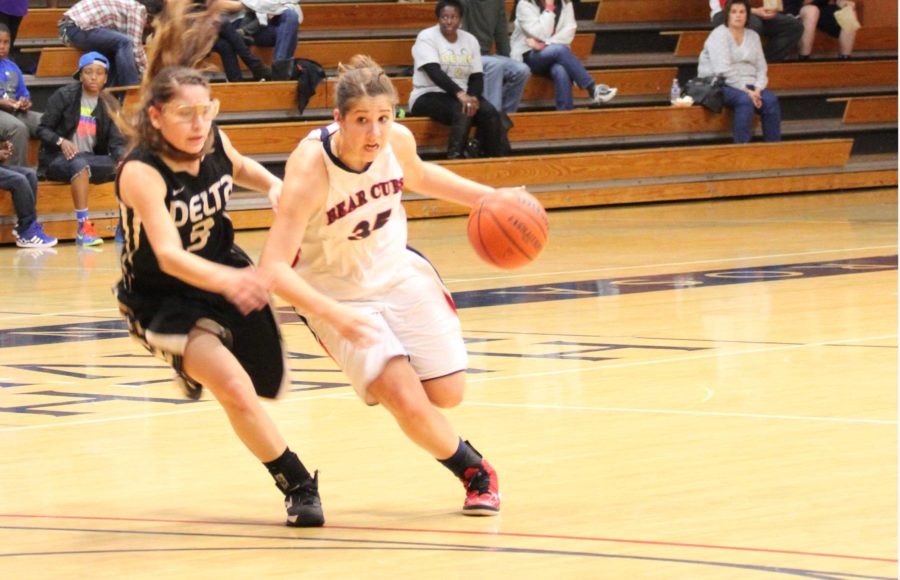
<point x="34" y="237"/>
<point x="86" y="236"/>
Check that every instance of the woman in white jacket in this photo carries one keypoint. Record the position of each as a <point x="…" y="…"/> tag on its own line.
<point x="543" y="31"/>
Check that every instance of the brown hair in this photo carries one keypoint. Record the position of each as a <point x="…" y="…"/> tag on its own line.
<point x="730" y="3"/>
<point x="362" y="77"/>
<point x="183" y="35"/>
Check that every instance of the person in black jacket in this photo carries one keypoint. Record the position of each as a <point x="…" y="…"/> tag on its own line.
<point x="80" y="144"/>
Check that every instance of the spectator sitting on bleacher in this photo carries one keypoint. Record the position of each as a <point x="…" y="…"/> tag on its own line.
<point x="543" y="31"/>
<point x="504" y="78"/>
<point x="17" y="121"/>
<point x="230" y="46"/>
<point x="21" y="182"/>
<point x="782" y="31"/>
<point x="734" y="52"/>
<point x="448" y="83"/>
<point x="274" y="23"/>
<point x="821" y="14"/>
<point x="115" y="28"/>
<point x="80" y="144"/>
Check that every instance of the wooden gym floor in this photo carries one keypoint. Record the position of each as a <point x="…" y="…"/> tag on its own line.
<point x="686" y="390"/>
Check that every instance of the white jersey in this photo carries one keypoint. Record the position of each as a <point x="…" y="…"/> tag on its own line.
<point x="355" y="243"/>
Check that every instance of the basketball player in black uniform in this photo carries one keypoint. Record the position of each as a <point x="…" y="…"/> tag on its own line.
<point x="188" y="293"/>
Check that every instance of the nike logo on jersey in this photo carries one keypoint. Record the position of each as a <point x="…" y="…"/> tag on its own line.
<point x="361" y="197"/>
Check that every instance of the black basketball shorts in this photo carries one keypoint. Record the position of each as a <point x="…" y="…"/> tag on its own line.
<point x="162" y="323"/>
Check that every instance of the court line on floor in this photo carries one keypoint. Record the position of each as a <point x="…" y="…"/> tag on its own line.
<point x="111" y="309"/>
<point x="210" y="405"/>
<point x="687" y="358"/>
<point x="782" y="570"/>
<point x="766" y="416"/>
<point x="554" y="407"/>
<point x="596" y="539"/>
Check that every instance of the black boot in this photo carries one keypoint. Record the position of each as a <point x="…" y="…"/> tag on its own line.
<point x="459" y="135"/>
<point x="281" y="69"/>
<point x="261" y="71"/>
<point x="492" y="130"/>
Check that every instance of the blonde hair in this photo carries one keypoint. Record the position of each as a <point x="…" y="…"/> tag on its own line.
<point x="183" y="35"/>
<point x="362" y="77"/>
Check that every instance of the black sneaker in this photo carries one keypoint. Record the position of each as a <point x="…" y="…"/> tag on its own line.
<point x="191" y="389"/>
<point x="304" y="508"/>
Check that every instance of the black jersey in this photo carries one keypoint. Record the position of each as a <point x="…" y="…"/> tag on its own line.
<point x="197" y="206"/>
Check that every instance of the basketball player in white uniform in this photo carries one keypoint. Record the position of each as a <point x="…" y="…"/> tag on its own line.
<point x="378" y="308"/>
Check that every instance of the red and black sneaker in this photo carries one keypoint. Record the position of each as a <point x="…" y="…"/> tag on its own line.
<point x="482" y="491"/>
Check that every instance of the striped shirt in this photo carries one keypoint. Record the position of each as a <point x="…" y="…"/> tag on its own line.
<point x="125" y="16"/>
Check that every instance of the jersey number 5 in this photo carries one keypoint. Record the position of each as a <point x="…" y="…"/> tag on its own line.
<point x="200" y="234"/>
<point x="363" y="230"/>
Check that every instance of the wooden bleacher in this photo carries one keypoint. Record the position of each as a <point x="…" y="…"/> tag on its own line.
<point x="644" y="81"/>
<point x="633" y="11"/>
<point x="272" y="96"/>
<point x="868" y="110"/>
<point x="690" y="42"/>
<point x="576" y="179"/>
<point x="538" y="127"/>
<point x="63" y="61"/>
<point x="838" y="74"/>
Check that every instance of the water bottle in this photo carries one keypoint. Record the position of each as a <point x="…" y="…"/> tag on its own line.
<point x="675" y="93"/>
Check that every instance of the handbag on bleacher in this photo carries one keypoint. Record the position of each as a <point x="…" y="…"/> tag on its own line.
<point x="706" y="91"/>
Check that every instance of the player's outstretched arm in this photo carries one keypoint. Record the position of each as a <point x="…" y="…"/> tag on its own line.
<point x="431" y="179"/>
<point x="251" y="174"/>
<point x="142" y="188"/>
<point x="305" y="188"/>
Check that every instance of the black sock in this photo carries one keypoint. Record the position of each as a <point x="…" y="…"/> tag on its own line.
<point x="287" y="470"/>
<point x="590" y="89"/>
<point x="464" y="458"/>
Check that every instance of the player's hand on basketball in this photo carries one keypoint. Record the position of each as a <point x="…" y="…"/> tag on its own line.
<point x="356" y="326"/>
<point x="248" y="289"/>
<point x="274" y="195"/>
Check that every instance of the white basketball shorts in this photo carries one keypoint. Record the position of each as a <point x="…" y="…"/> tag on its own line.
<point x="417" y="319"/>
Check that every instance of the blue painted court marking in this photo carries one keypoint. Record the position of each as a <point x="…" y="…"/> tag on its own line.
<point x="393" y="545"/>
<point x="79" y="399"/>
<point x="59" y="333"/>
<point x="99" y="330"/>
<point x="678" y="281"/>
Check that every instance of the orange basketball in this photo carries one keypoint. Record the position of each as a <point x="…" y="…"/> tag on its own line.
<point x="508" y="229"/>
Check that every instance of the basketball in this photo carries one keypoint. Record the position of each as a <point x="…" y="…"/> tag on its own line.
<point x="509" y="229"/>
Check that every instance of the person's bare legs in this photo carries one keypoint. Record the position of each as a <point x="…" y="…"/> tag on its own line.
<point x="400" y="391"/>
<point x="809" y="16"/>
<point x="207" y="361"/>
<point x="411" y="402"/>
<point x="846" y="41"/>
